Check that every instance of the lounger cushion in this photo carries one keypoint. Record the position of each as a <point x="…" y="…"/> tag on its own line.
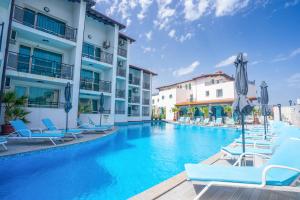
<point x="239" y="150"/>
<point x="48" y="135"/>
<point x="220" y="173"/>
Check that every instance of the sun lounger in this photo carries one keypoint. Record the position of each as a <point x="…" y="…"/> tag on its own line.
<point x="88" y="127"/>
<point x="206" y="121"/>
<point x="281" y="170"/>
<point x="218" y="122"/>
<point x="91" y="122"/>
<point x="51" y="127"/>
<point x="3" y="141"/>
<point x="23" y="132"/>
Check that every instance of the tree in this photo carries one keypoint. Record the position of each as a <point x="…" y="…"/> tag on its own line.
<point x="205" y="111"/>
<point x="191" y="111"/>
<point x="14" y="107"/>
<point x="175" y="110"/>
<point x="228" y="110"/>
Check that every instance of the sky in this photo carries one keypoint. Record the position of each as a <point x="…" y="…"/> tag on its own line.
<point x="181" y="39"/>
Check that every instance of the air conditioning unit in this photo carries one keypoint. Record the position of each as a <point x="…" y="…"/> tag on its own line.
<point x="106" y="44"/>
<point x="13" y="37"/>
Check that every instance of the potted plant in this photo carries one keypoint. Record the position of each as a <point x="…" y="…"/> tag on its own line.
<point x="175" y="110"/>
<point x="14" y="109"/>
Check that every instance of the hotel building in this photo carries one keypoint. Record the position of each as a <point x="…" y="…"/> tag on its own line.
<point x="212" y="90"/>
<point x="55" y="42"/>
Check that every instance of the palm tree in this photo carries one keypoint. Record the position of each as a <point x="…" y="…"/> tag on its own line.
<point x="228" y="110"/>
<point x="191" y="111"/>
<point x="175" y="110"/>
<point x="205" y="111"/>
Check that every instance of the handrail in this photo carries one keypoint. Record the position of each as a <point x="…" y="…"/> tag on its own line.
<point x="105" y="56"/>
<point x="69" y="33"/>
<point x="121" y="72"/>
<point x="40" y="66"/>
<point x="100" y="85"/>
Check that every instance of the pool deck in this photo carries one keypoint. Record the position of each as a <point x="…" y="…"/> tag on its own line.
<point x="179" y="188"/>
<point x="24" y="146"/>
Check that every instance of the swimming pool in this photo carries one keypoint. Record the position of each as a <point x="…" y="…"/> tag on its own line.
<point x="119" y="166"/>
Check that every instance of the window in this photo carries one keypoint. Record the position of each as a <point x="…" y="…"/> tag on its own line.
<point x="186" y="86"/>
<point x="50" y="24"/>
<point x="212" y="81"/>
<point x="207" y="93"/>
<point x="190" y="86"/>
<point x="28" y="17"/>
<point x="43" y="97"/>
<point x="153" y="101"/>
<point x="170" y="96"/>
<point x="157" y="100"/>
<point x="21" y="91"/>
<point x="191" y="98"/>
<point x="219" y="92"/>
<point x="162" y="97"/>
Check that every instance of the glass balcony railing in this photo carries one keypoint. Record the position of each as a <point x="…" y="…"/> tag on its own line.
<point x="134" y="81"/>
<point x="122" y="52"/>
<point x="134" y="99"/>
<point x="120" y="112"/>
<point x="146" y="101"/>
<point x="120" y="93"/>
<point x="34" y="65"/>
<point x="146" y="85"/>
<point x="96" y="53"/>
<point x="95" y="85"/>
<point x="145" y="111"/>
<point x="121" y="72"/>
<point x="43" y="23"/>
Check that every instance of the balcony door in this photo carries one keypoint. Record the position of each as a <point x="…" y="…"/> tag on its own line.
<point x="46" y="63"/>
<point x="51" y="25"/>
<point x="24" y="59"/>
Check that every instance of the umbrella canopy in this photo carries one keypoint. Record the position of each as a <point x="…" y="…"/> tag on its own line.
<point x="241" y="104"/>
<point x="264" y="103"/>
<point x="68" y="104"/>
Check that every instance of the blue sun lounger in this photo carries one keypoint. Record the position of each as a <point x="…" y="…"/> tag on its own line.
<point x="51" y="127"/>
<point x="3" y="141"/>
<point x="23" y="132"/>
<point x="282" y="169"/>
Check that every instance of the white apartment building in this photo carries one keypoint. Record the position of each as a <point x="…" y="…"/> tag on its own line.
<point x="213" y="90"/>
<point x="59" y="41"/>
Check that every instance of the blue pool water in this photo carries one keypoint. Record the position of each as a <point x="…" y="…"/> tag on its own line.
<point x="119" y="166"/>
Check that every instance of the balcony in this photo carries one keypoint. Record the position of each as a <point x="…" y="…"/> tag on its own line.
<point x="134" y="81"/>
<point x="39" y="66"/>
<point x="146" y="85"/>
<point x="134" y="99"/>
<point x="146" y="101"/>
<point x="120" y="93"/>
<point x="104" y="57"/>
<point x="43" y="23"/>
<point x="44" y="104"/>
<point x="145" y="112"/>
<point x="121" y="71"/>
<point x="93" y="85"/>
<point x="122" y="52"/>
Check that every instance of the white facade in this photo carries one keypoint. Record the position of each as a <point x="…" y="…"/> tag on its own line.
<point x="60" y="41"/>
<point x="209" y="89"/>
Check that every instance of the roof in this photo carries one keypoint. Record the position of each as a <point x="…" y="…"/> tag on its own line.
<point x="90" y="3"/>
<point x="103" y="18"/>
<point x="218" y="73"/>
<point x="143" y="69"/>
<point x="212" y="101"/>
<point x="126" y="37"/>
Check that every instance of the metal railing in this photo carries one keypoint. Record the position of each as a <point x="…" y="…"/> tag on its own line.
<point x="122" y="52"/>
<point x="32" y="20"/>
<point x="44" y="104"/>
<point x="121" y="72"/>
<point x="99" y="86"/>
<point x="146" y="85"/>
<point x="104" y="57"/>
<point x="1" y="34"/>
<point x="134" y="114"/>
<point x="120" y="112"/>
<point x="120" y="93"/>
<point x="134" y="99"/>
<point x="146" y="101"/>
<point x="39" y="66"/>
<point x="134" y="81"/>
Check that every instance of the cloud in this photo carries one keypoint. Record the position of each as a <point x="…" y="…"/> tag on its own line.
<point x="294" y="80"/>
<point x="193" y="11"/>
<point x="172" y="33"/>
<point x="186" y="70"/>
<point x="144" y="4"/>
<point x="148" y="49"/>
<point x="230" y="60"/>
<point x="149" y="35"/>
<point x="291" y="3"/>
<point x="255" y="62"/>
<point x="185" y="37"/>
<point x="292" y="54"/>
<point x="229" y="7"/>
<point x="128" y="22"/>
<point x="164" y="14"/>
